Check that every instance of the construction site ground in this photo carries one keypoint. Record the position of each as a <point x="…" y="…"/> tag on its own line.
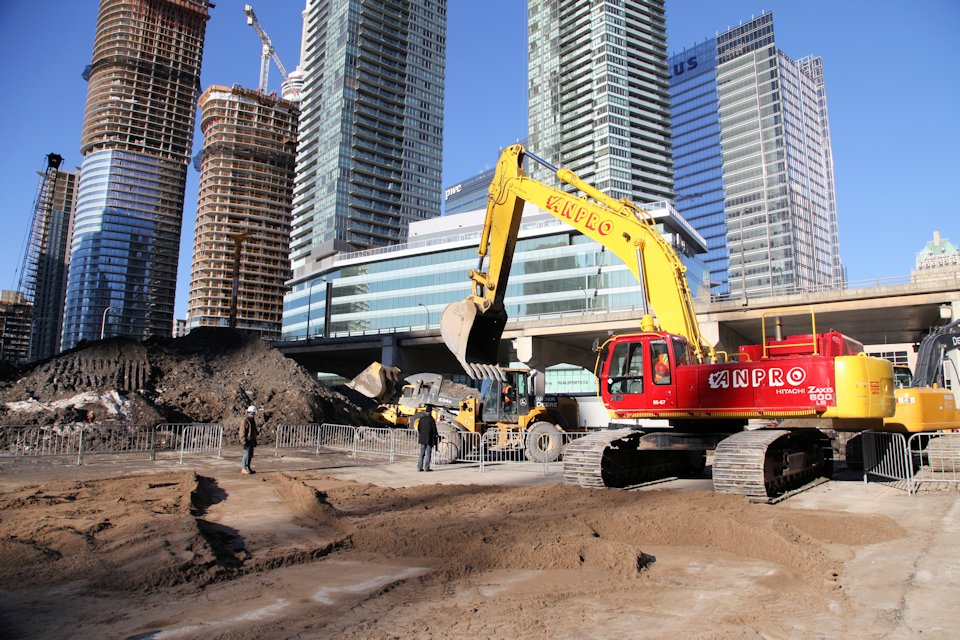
<point x="328" y="546"/>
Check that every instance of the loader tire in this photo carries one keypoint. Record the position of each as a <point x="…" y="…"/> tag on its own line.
<point x="543" y="442"/>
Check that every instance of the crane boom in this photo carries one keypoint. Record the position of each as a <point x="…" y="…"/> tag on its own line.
<point x="268" y="52"/>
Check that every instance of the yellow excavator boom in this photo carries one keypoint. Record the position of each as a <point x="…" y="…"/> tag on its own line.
<point x="472" y="328"/>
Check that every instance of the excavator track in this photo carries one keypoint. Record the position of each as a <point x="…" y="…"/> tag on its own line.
<point x="614" y="458"/>
<point x="767" y="463"/>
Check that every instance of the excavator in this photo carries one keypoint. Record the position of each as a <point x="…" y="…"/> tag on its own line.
<point x="667" y="370"/>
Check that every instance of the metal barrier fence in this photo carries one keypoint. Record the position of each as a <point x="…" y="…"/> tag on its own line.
<point x="482" y="450"/>
<point x="921" y="462"/>
<point x="79" y="440"/>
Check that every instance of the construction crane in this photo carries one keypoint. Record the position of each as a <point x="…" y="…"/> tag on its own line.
<point x="268" y="50"/>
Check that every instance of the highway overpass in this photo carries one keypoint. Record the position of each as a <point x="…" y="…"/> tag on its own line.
<point x="884" y="312"/>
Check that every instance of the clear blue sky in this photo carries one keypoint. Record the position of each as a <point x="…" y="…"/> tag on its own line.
<point x="892" y="92"/>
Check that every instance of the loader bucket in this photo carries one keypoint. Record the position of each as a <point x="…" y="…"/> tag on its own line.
<point x="474" y="337"/>
<point x="377" y="381"/>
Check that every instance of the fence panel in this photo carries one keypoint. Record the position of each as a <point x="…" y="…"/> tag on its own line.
<point x="887" y="459"/>
<point x="32" y="441"/>
<point x="338" y="437"/>
<point x="939" y="461"/>
<point x="188" y="438"/>
<point x="297" y="436"/>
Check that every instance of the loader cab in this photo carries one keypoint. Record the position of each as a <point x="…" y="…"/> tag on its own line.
<point x="505" y="401"/>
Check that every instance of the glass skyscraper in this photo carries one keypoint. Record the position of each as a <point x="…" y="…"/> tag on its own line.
<point x="43" y="279"/>
<point x="599" y="100"/>
<point x="137" y="137"/>
<point x="371" y="125"/>
<point x="752" y="160"/>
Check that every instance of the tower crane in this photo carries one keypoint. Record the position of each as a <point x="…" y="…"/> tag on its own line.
<point x="268" y="50"/>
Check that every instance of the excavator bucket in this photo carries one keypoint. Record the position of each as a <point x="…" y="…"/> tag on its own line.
<point x="474" y="337"/>
<point x="377" y="381"/>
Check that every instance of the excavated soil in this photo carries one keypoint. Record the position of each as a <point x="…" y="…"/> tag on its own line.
<point x="181" y="555"/>
<point x="210" y="375"/>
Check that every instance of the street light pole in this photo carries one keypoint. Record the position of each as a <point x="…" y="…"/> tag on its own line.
<point x="103" y="322"/>
<point x="428" y="313"/>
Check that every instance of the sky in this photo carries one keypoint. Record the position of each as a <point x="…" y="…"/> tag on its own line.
<point x="892" y="95"/>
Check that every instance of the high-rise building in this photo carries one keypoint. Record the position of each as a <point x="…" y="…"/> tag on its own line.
<point x="371" y="125"/>
<point x="15" y="315"/>
<point x="241" y="252"/>
<point x="137" y="137"/>
<point x="937" y="256"/>
<point x="43" y="277"/>
<point x="599" y="100"/>
<point x="468" y="195"/>
<point x="753" y="164"/>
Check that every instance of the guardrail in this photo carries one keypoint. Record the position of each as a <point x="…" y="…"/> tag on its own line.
<point x="79" y="440"/>
<point x="922" y="461"/>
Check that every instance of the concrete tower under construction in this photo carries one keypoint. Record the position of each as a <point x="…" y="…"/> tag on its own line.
<point x="137" y="136"/>
<point x="241" y="253"/>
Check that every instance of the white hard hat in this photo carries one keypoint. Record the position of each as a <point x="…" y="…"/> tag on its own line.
<point x="251" y="409"/>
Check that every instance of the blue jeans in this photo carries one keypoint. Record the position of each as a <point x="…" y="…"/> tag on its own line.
<point x="423" y="463"/>
<point x="247" y="456"/>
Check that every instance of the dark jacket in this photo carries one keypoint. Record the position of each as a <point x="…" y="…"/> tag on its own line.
<point x="426" y="428"/>
<point x="248" y="431"/>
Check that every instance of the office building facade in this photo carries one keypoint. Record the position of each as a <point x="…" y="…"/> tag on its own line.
<point x="136" y="142"/>
<point x="241" y="251"/>
<point x="467" y="195"/>
<point x="43" y="276"/>
<point x="555" y="270"/>
<point x="371" y="125"/>
<point x="599" y="101"/>
<point x="753" y="165"/>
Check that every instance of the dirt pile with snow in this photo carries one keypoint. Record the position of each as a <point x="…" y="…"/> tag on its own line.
<point x="210" y="375"/>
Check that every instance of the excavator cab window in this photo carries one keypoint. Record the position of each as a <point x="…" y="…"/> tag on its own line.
<point x="625" y="374"/>
<point x="660" y="359"/>
<point x="681" y="355"/>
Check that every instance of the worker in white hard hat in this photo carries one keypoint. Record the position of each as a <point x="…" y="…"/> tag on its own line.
<point x="248" y="438"/>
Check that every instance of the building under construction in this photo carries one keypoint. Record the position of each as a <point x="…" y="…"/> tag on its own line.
<point x="15" y="314"/>
<point x="241" y="260"/>
<point x="137" y="140"/>
<point x="43" y="276"/>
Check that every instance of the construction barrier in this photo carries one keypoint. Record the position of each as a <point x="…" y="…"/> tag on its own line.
<point x="79" y="440"/>
<point x="466" y="447"/>
<point x="922" y="461"/>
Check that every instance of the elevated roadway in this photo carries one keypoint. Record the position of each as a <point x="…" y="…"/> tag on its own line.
<point x="884" y="313"/>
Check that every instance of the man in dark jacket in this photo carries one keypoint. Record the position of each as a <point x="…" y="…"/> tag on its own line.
<point x="427" y="436"/>
<point x="248" y="438"/>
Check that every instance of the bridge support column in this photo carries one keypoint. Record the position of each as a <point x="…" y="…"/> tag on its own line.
<point x="389" y="351"/>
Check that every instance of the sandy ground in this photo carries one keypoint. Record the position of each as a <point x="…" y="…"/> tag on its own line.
<point x="330" y="547"/>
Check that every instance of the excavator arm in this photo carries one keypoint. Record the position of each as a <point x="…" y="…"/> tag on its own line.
<point x="472" y="328"/>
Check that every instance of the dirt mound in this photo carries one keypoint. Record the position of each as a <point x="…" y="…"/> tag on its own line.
<point x="210" y="375"/>
<point x="136" y="533"/>
<point x="128" y="555"/>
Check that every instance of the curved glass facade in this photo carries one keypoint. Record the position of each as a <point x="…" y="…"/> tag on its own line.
<point x="123" y="261"/>
<point x="555" y="270"/>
